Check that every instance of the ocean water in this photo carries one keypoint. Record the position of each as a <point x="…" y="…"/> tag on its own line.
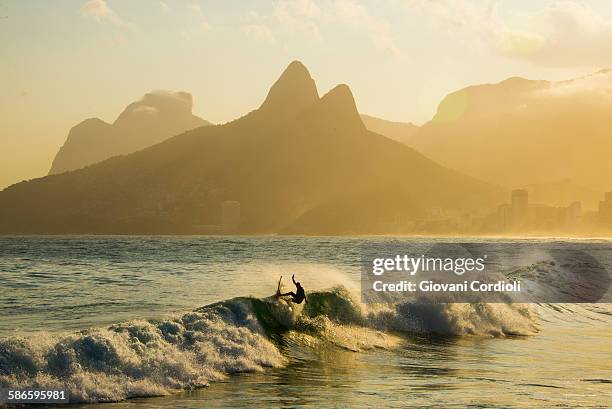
<point x="188" y="322"/>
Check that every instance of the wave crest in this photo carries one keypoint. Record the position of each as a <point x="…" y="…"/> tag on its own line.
<point x="141" y="358"/>
<point x="150" y="358"/>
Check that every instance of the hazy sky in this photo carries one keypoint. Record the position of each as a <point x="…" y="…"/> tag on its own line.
<point x="64" y="61"/>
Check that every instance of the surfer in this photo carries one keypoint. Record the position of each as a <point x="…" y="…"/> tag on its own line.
<point x="298" y="296"/>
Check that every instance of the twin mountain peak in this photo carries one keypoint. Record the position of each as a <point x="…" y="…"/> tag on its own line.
<point x="299" y="164"/>
<point x="160" y="115"/>
<point x="295" y="92"/>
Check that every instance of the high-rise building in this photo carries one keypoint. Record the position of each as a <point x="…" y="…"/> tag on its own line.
<point x="605" y="209"/>
<point x="504" y="216"/>
<point x="574" y="211"/>
<point x="520" y="205"/>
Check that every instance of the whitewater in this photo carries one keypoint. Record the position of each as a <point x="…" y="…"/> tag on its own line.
<point x="115" y="318"/>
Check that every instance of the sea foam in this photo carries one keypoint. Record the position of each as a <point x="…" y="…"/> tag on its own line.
<point x="150" y="358"/>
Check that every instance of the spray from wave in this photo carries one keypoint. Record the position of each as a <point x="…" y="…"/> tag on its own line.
<point x="142" y="358"/>
<point x="147" y="358"/>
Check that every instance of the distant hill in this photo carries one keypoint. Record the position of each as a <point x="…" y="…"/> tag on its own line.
<point x="157" y="116"/>
<point x="521" y="132"/>
<point x="399" y="131"/>
<point x="299" y="164"/>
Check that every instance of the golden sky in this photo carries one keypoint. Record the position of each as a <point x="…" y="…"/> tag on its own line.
<point x="64" y="61"/>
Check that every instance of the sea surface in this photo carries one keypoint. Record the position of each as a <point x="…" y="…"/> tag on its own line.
<point x="189" y="322"/>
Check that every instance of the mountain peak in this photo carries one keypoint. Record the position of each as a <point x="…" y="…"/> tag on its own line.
<point x="158" y="115"/>
<point x="294" y="91"/>
<point x="338" y="107"/>
<point x="339" y="101"/>
<point x="156" y="103"/>
<point x="298" y="67"/>
<point x="340" y="95"/>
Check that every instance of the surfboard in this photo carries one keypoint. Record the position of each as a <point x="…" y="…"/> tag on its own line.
<point x="278" y="289"/>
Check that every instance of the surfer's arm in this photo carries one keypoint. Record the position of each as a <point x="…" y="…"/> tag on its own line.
<point x="293" y="279"/>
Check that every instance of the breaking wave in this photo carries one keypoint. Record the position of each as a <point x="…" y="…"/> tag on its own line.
<point x="151" y="358"/>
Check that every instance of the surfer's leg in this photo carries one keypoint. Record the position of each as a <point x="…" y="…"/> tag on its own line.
<point x="291" y="293"/>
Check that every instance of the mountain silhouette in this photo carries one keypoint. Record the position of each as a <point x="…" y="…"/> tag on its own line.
<point x="299" y="164"/>
<point x="399" y="131"/>
<point x="157" y="116"/>
<point x="293" y="92"/>
<point x="522" y="132"/>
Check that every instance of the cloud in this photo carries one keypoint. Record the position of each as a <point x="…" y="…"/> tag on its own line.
<point x="563" y="33"/>
<point x="299" y="15"/>
<point x="459" y="17"/>
<point x="598" y="84"/>
<point x="259" y="32"/>
<point x="306" y="17"/>
<point x="152" y="102"/>
<point x="169" y="94"/>
<point x="196" y="8"/>
<point x="163" y="5"/>
<point x="282" y="13"/>
<point x="99" y="10"/>
<point x="203" y="23"/>
<point x="357" y="15"/>
<point x="290" y="11"/>
<point x="146" y="109"/>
